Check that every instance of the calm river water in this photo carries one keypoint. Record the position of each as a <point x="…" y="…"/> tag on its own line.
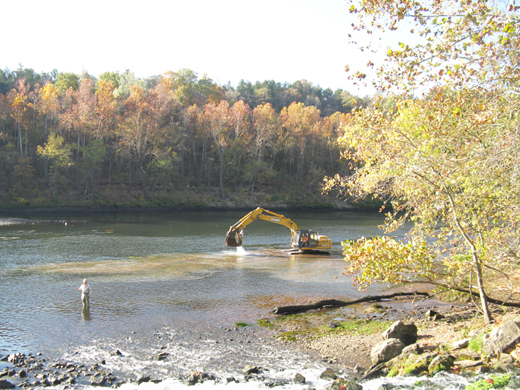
<point x="160" y="275"/>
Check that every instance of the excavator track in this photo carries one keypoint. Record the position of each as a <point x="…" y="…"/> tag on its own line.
<point x="307" y="252"/>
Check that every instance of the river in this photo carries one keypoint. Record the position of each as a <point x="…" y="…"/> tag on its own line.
<point x="165" y="281"/>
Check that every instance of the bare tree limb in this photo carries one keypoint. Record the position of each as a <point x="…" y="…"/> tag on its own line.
<point x="331" y="303"/>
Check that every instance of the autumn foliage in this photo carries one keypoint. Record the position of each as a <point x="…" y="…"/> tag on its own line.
<point x="446" y="159"/>
<point x="120" y="139"/>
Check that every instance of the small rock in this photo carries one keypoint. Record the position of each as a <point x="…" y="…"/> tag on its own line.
<point x="328" y="374"/>
<point x="37" y="367"/>
<point x="58" y="364"/>
<point x="504" y="362"/>
<point x="143" y="379"/>
<point x="13" y="358"/>
<point x="461" y="343"/>
<point x="358" y="369"/>
<point x="484" y="369"/>
<point x="6" y="384"/>
<point x="386" y="386"/>
<point x="516" y="354"/>
<point x="249" y="369"/>
<point x="117" y="352"/>
<point x="345" y="384"/>
<point x="98" y="381"/>
<point x="197" y="377"/>
<point x="441" y="363"/>
<point x="53" y="381"/>
<point x="463" y="364"/>
<point x="299" y="378"/>
<point x="433" y="315"/>
<point x="466" y="354"/>
<point x="161" y="356"/>
<point x="414" y="348"/>
<point x="275" y="383"/>
<point x="22" y="374"/>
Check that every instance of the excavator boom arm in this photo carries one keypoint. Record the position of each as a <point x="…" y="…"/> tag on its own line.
<point x="234" y="234"/>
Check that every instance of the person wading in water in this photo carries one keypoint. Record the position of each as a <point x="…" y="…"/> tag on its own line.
<point x="85" y="293"/>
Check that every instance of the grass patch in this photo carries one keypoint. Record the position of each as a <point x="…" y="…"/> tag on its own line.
<point x="288" y="336"/>
<point x="318" y="325"/>
<point x="493" y="382"/>
<point x="241" y="324"/>
<point x="477" y="343"/>
<point x="359" y="326"/>
<point x="265" y="323"/>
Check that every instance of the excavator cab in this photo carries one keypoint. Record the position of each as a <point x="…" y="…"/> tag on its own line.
<point x="305" y="240"/>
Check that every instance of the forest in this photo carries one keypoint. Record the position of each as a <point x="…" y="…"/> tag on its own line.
<point x="173" y="139"/>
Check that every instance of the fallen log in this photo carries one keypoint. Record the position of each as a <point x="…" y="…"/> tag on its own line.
<point x="332" y="303"/>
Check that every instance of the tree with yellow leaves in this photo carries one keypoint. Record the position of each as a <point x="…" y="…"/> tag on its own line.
<point x="448" y="161"/>
<point x="58" y="154"/>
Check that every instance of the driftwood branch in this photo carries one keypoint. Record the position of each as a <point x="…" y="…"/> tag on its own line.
<point x="331" y="303"/>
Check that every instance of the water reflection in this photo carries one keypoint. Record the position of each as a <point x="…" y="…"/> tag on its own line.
<point x="85" y="313"/>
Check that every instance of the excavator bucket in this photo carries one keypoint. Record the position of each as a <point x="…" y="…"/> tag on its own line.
<point x="233" y="238"/>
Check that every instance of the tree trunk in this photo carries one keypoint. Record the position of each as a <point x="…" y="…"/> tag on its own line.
<point x="54" y="185"/>
<point x="221" y="158"/>
<point x="474" y="254"/>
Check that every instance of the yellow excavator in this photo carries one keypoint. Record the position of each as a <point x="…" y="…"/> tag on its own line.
<point x="302" y="241"/>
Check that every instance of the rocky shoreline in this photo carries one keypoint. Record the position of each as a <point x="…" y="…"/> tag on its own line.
<point x="429" y="340"/>
<point x="445" y="338"/>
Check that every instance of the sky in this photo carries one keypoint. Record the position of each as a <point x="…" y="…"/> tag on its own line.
<point x="228" y="40"/>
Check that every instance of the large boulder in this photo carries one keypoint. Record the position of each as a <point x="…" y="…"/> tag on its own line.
<point x="410" y="365"/>
<point x="499" y="339"/>
<point x="386" y="350"/>
<point x="398" y="330"/>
